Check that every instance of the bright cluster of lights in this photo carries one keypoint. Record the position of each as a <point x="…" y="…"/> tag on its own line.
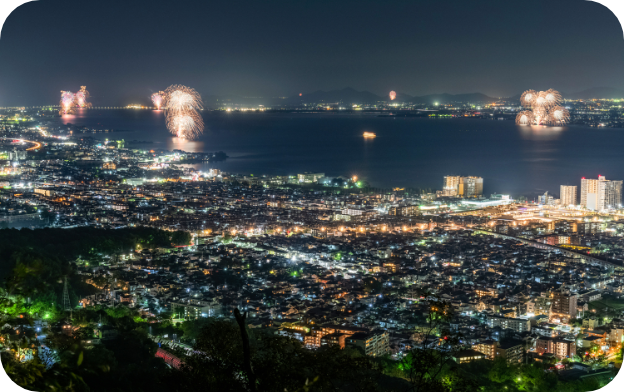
<point x="544" y="109"/>
<point x="181" y="106"/>
<point x="70" y="101"/>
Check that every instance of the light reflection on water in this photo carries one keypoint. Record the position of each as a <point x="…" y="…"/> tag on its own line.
<point x="176" y="143"/>
<point x="407" y="152"/>
<point x="540" y="132"/>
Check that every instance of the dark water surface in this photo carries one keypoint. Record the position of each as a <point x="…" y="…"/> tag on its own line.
<point x="407" y="152"/>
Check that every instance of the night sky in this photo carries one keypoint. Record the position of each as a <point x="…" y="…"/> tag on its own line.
<point x="125" y="50"/>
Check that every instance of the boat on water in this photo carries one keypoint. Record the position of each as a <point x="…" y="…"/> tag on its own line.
<point x="369" y="135"/>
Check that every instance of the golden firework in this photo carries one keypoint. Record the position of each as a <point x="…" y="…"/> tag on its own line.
<point x="552" y="97"/>
<point x="181" y="105"/>
<point x="187" y="125"/>
<point x="545" y="108"/>
<point x="179" y="99"/>
<point x="559" y="115"/>
<point x="539" y="115"/>
<point x="525" y="117"/>
<point x="527" y="99"/>
<point x="540" y="101"/>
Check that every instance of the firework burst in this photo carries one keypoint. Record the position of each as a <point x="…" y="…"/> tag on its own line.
<point x="545" y="108"/>
<point x="157" y="99"/>
<point x="559" y="115"/>
<point x="179" y="99"/>
<point x="540" y="101"/>
<point x="539" y="115"/>
<point x="552" y="97"/>
<point x="186" y="126"/>
<point x="67" y="103"/>
<point x="181" y="105"/>
<point x="528" y="98"/>
<point x="525" y="118"/>
<point x="80" y="98"/>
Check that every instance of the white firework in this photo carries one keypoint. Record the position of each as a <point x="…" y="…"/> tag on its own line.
<point x="187" y="126"/>
<point x="540" y="101"/>
<point x="181" y="98"/>
<point x="181" y="105"/>
<point x="528" y="98"/>
<point x="552" y="98"/>
<point x="559" y="115"/>
<point x="525" y="118"/>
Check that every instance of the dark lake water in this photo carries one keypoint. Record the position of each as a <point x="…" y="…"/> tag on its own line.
<point x="407" y="152"/>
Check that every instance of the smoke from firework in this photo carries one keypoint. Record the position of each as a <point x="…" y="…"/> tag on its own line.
<point x="545" y="108"/>
<point x="181" y="105"/>
<point x="67" y="103"/>
<point x="157" y="99"/>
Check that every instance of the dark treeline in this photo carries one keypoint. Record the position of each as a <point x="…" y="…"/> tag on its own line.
<point x="275" y="363"/>
<point x="42" y="258"/>
<point x="72" y="243"/>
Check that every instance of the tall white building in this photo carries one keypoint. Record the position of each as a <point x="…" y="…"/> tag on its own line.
<point x="601" y="194"/>
<point x="568" y="195"/>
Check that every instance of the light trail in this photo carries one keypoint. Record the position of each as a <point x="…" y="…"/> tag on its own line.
<point x="36" y="144"/>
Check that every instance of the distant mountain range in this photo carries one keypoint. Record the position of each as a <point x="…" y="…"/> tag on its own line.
<point x="348" y="96"/>
<point x="592" y="93"/>
<point x="351" y="96"/>
<point x="598" y="92"/>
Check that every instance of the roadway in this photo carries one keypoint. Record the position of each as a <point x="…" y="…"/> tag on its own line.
<point x="36" y="145"/>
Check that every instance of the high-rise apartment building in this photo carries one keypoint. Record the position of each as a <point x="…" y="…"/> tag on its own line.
<point x="568" y="195"/>
<point x="609" y="195"/>
<point x="564" y="306"/>
<point x="451" y="186"/>
<point x="462" y="186"/>
<point x="600" y="194"/>
<point x="589" y="192"/>
<point x="471" y="186"/>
